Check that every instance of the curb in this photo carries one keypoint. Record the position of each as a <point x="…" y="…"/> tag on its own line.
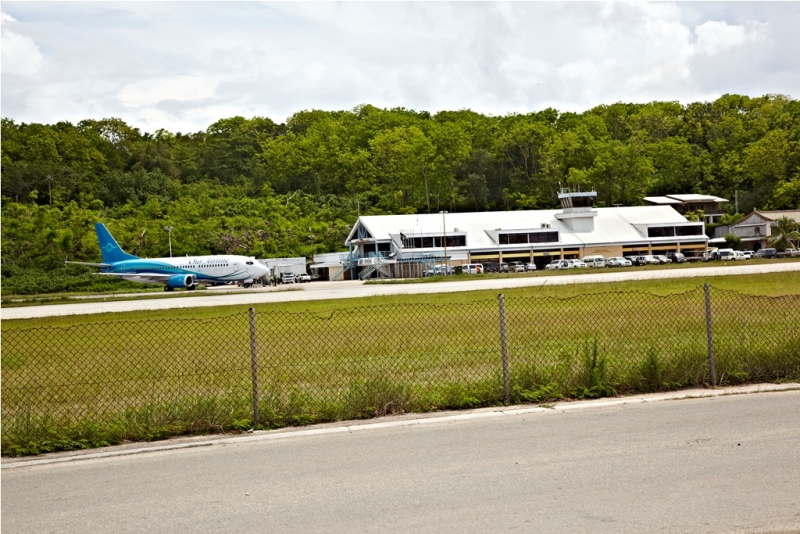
<point x="438" y="418"/>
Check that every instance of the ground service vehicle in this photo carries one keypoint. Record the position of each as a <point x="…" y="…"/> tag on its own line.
<point x="287" y="278"/>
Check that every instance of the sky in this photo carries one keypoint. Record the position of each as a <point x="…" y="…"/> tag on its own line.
<point x="181" y="66"/>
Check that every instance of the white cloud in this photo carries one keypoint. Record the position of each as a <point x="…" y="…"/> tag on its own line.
<point x="717" y="36"/>
<point x="19" y="54"/>
<point x="180" y="88"/>
<point x="181" y="66"/>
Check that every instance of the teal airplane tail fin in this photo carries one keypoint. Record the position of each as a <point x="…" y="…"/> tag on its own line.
<point x="109" y="248"/>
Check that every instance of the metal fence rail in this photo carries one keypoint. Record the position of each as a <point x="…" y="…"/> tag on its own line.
<point x="146" y="379"/>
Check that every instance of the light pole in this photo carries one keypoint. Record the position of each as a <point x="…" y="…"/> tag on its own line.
<point x="50" y="188"/>
<point x="169" y="230"/>
<point x="444" y="242"/>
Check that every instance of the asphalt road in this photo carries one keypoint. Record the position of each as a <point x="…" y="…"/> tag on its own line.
<point x="353" y="289"/>
<point x="703" y="465"/>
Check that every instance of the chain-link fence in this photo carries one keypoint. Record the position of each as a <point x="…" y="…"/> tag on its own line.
<point x="97" y="383"/>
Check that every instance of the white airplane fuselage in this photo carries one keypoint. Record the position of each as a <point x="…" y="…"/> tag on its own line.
<point x="175" y="272"/>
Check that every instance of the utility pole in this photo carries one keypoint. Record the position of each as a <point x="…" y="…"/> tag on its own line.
<point x="169" y="230"/>
<point x="444" y="242"/>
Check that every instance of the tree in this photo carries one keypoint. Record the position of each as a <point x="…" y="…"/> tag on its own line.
<point x="732" y="240"/>
<point x="784" y="231"/>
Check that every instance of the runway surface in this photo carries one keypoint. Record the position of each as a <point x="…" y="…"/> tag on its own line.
<point x="357" y="288"/>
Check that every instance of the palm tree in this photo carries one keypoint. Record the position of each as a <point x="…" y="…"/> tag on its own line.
<point x="783" y="232"/>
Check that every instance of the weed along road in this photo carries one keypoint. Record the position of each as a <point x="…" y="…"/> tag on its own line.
<point x="722" y="463"/>
<point x="355" y="289"/>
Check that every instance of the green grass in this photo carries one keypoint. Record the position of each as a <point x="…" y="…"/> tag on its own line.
<point x="78" y="381"/>
<point x="770" y="284"/>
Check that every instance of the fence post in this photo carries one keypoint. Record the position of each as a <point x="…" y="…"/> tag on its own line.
<point x="504" y="347"/>
<point x="254" y="364"/>
<point x="707" y="289"/>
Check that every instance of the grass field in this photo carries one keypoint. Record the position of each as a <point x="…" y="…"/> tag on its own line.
<point x="84" y="381"/>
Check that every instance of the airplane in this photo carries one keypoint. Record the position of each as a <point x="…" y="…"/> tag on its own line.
<point x="178" y="272"/>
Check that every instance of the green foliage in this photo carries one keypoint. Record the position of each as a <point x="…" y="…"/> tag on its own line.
<point x="732" y="240"/>
<point x="653" y="370"/>
<point x="784" y="232"/>
<point x="256" y="187"/>
<point x="596" y="381"/>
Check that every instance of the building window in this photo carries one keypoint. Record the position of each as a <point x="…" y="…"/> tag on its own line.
<point x="661" y="231"/>
<point x="689" y="230"/>
<point x="435" y="241"/>
<point x="456" y="241"/>
<point x="525" y="238"/>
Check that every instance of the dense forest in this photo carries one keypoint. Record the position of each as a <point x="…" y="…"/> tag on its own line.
<point x="254" y="187"/>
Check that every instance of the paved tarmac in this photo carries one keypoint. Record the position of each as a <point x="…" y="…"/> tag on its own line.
<point x="712" y="464"/>
<point x="353" y="289"/>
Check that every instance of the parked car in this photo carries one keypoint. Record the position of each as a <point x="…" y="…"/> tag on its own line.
<point x="618" y="261"/>
<point x="490" y="267"/>
<point x="558" y="264"/>
<point x="632" y="259"/>
<point x="577" y="264"/>
<point x="530" y="267"/>
<point x="676" y="257"/>
<point x="503" y="267"/>
<point x="766" y="253"/>
<point x="663" y="259"/>
<point x="748" y="254"/>
<point x="737" y="255"/>
<point x="725" y="254"/>
<point x="472" y="268"/>
<point x="647" y="260"/>
<point x="594" y="261"/>
<point x="303" y="278"/>
<point x="516" y="267"/>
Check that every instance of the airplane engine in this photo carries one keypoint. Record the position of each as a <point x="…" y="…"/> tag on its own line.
<point x="180" y="280"/>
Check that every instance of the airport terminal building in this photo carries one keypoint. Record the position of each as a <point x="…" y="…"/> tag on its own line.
<point x="405" y="246"/>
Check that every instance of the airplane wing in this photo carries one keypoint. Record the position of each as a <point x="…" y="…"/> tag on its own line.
<point x="147" y="278"/>
<point x="88" y="263"/>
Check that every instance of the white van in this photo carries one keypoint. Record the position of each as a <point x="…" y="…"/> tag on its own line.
<point x="594" y="261"/>
<point x="725" y="254"/>
<point x="472" y="268"/>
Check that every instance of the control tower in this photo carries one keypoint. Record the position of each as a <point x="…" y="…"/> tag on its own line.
<point x="577" y="210"/>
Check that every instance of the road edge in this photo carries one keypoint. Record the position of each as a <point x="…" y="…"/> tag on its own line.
<point x="386" y="422"/>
